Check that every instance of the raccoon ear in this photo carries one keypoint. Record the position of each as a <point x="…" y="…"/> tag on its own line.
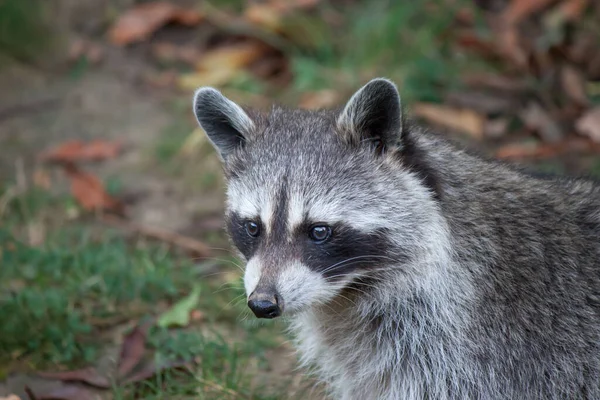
<point x="373" y="114"/>
<point x="225" y="123"/>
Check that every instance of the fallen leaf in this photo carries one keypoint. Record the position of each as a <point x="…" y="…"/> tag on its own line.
<point x="220" y="66"/>
<point x="589" y="124"/>
<point x="87" y="375"/>
<point x="270" y="15"/>
<point x="132" y="349"/>
<point x="231" y="57"/>
<point x="179" y="314"/>
<point x="89" y="191"/>
<point x="574" y="85"/>
<point x="76" y="151"/>
<point x="540" y="121"/>
<point x="464" y="120"/>
<point x="319" y="100"/>
<point x="141" y="21"/>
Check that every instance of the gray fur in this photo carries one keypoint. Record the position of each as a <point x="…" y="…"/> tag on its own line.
<point x="489" y="283"/>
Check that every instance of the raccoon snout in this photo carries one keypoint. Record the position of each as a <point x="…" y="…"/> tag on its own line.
<point x="265" y="305"/>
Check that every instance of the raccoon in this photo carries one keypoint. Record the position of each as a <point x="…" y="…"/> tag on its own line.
<point x="408" y="267"/>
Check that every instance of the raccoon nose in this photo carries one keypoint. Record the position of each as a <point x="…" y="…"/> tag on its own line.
<point x="264" y="305"/>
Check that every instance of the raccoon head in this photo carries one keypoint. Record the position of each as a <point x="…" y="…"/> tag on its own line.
<point x="319" y="202"/>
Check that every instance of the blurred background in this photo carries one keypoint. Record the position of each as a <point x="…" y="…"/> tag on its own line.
<point x="116" y="278"/>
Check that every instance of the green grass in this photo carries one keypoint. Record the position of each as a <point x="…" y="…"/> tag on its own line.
<point x="23" y="30"/>
<point x="60" y="301"/>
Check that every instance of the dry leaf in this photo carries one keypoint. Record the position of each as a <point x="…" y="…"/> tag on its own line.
<point x="144" y="19"/>
<point x="132" y="349"/>
<point x="574" y="85"/>
<point x="589" y="124"/>
<point x="540" y="121"/>
<point x="464" y="120"/>
<point x="75" y="151"/>
<point x="87" y="375"/>
<point x="319" y="100"/>
<point x="89" y="191"/>
<point x="270" y="15"/>
<point x="221" y="65"/>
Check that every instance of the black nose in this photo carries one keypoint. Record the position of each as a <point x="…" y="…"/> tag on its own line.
<point x="264" y="308"/>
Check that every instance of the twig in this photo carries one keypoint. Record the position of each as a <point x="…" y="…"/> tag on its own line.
<point x="30" y="393"/>
<point x="176" y="239"/>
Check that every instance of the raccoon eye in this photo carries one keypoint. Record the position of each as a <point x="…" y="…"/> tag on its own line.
<point x="252" y="228"/>
<point x="320" y="233"/>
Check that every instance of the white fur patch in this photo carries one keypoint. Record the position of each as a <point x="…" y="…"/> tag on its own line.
<point x="300" y="287"/>
<point x="252" y="275"/>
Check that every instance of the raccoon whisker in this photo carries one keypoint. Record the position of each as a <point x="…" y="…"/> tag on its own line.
<point x="341" y="263"/>
<point x="220" y="260"/>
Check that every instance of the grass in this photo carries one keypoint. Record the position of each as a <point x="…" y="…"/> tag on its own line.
<point x="59" y="302"/>
<point x="23" y="30"/>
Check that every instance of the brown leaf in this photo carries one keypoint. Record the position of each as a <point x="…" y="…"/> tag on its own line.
<point x="318" y="100"/>
<point x="89" y="191"/>
<point x="75" y="151"/>
<point x="574" y="85"/>
<point x="132" y="349"/>
<point x="270" y="15"/>
<point x="221" y="65"/>
<point x="540" y="121"/>
<point x="141" y="21"/>
<point x="464" y="120"/>
<point x="589" y="124"/>
<point x="87" y="375"/>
